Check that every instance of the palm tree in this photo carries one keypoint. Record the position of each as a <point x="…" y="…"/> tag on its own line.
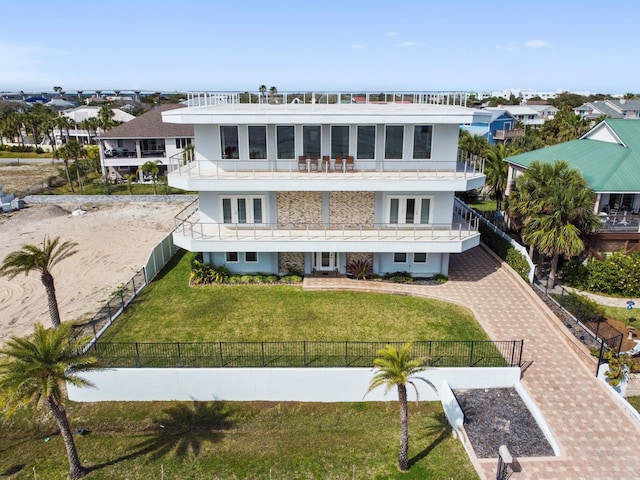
<point x="497" y="170"/>
<point x="41" y="259"/>
<point x="555" y="207"/>
<point x="273" y="91"/>
<point x="72" y="150"/>
<point x="263" y="91"/>
<point x="395" y="368"/>
<point x="152" y="169"/>
<point x="36" y="372"/>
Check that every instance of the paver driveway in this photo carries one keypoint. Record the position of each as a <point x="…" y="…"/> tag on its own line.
<point x="598" y="439"/>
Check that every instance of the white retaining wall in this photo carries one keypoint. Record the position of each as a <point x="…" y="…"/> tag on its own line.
<point x="273" y="384"/>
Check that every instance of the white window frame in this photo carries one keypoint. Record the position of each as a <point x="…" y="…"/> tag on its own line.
<point x="402" y="209"/>
<point x="426" y="258"/>
<point x="248" y="205"/>
<point x="406" y="257"/>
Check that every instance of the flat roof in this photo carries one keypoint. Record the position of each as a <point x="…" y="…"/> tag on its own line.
<point x="387" y="113"/>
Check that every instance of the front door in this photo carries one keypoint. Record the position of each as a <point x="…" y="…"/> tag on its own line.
<point x="326" y="261"/>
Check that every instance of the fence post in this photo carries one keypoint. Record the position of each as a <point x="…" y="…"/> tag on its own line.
<point x="304" y="352"/>
<point x="133" y="284"/>
<point x="137" y="355"/>
<point x="600" y="356"/>
<point x="221" y="357"/>
<point x="504" y="459"/>
<point x="346" y="353"/>
<point x="471" y="354"/>
<point x="179" y="356"/>
<point x="521" y="349"/>
<point x="262" y="349"/>
<point x="121" y="292"/>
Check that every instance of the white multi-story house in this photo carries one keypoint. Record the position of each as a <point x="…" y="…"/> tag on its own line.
<point x="316" y="183"/>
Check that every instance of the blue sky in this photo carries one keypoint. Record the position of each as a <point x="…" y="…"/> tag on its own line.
<point x="328" y="45"/>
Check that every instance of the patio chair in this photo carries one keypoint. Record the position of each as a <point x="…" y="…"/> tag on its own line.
<point x="313" y="166"/>
<point x="349" y="164"/>
<point x="302" y="163"/>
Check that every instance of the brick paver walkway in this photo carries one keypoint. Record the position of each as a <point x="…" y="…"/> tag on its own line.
<point x="598" y="439"/>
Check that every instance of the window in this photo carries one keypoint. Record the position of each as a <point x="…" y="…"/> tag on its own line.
<point x="409" y="210"/>
<point x="311" y="140"/>
<point x="232" y="257"/>
<point x="242" y="210"/>
<point x="251" y="257"/>
<point x="286" y="144"/>
<point x="182" y="143"/>
<point x="229" y="141"/>
<point x="422" y="135"/>
<point x="399" y="258"/>
<point x="394" y="137"/>
<point x="419" y="258"/>
<point x="258" y="142"/>
<point x="366" y="142"/>
<point x="152" y="145"/>
<point x="339" y="140"/>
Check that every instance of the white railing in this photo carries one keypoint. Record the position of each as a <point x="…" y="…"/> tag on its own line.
<point x="269" y="169"/>
<point x="207" y="99"/>
<point x="318" y="231"/>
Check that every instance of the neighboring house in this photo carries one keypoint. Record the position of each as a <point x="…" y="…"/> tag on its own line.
<point x="125" y="148"/>
<point x="524" y="114"/>
<point x="620" y="108"/>
<point x="314" y="188"/>
<point x="545" y="112"/>
<point x="499" y="128"/>
<point x="608" y="156"/>
<point x="83" y="113"/>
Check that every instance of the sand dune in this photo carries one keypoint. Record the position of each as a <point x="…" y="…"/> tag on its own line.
<point x="114" y="241"/>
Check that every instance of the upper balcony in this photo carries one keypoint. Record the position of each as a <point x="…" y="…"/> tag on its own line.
<point x="508" y="134"/>
<point x="332" y="174"/>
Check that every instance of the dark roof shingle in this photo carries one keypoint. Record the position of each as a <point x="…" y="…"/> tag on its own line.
<point x="150" y="125"/>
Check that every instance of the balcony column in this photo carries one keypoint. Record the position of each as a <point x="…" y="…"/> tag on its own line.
<point x="596" y="207"/>
<point x="138" y="151"/>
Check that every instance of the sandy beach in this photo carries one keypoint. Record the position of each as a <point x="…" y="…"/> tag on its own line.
<point x="114" y="241"/>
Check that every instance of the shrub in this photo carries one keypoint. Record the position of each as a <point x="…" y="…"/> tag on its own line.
<point x="582" y="307"/>
<point x="359" y="268"/>
<point x="399" y="277"/>
<point x="619" y="367"/>
<point x="617" y="274"/>
<point x="438" y="277"/>
<point x="203" y="274"/>
<point x="518" y="262"/>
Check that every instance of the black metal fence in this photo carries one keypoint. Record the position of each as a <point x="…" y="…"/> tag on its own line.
<point x="440" y="353"/>
<point x="120" y="299"/>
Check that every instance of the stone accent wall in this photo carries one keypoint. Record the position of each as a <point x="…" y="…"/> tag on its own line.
<point x="352" y="207"/>
<point x="299" y="208"/>
<point x="291" y="262"/>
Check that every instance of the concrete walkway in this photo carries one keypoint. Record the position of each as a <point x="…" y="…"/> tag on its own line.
<point x="598" y="438"/>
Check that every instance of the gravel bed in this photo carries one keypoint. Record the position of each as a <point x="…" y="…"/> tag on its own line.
<point x="498" y="416"/>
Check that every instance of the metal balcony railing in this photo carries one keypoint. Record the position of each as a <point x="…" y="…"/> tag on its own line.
<point x="209" y="99"/>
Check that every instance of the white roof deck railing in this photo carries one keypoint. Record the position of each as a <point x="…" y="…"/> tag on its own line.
<point x="209" y="99"/>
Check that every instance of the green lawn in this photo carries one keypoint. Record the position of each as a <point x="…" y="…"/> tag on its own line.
<point x="623" y="314"/>
<point x="230" y="440"/>
<point x="171" y="311"/>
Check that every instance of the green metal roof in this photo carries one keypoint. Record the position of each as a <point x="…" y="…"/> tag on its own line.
<point x="608" y="167"/>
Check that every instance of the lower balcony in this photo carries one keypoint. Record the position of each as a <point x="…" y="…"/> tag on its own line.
<point x="453" y="237"/>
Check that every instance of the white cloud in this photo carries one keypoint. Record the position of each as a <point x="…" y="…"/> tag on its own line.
<point x="406" y="44"/>
<point x="355" y="46"/>
<point x="536" y="44"/>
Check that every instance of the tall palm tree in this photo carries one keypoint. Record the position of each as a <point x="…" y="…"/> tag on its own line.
<point x="263" y="91"/>
<point x="497" y="170"/>
<point x="72" y="150"/>
<point x="395" y="368"/>
<point x="41" y="259"/>
<point x="555" y="207"/>
<point x="35" y="372"/>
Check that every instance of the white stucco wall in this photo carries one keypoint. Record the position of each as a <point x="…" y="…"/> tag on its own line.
<point x="272" y="384"/>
